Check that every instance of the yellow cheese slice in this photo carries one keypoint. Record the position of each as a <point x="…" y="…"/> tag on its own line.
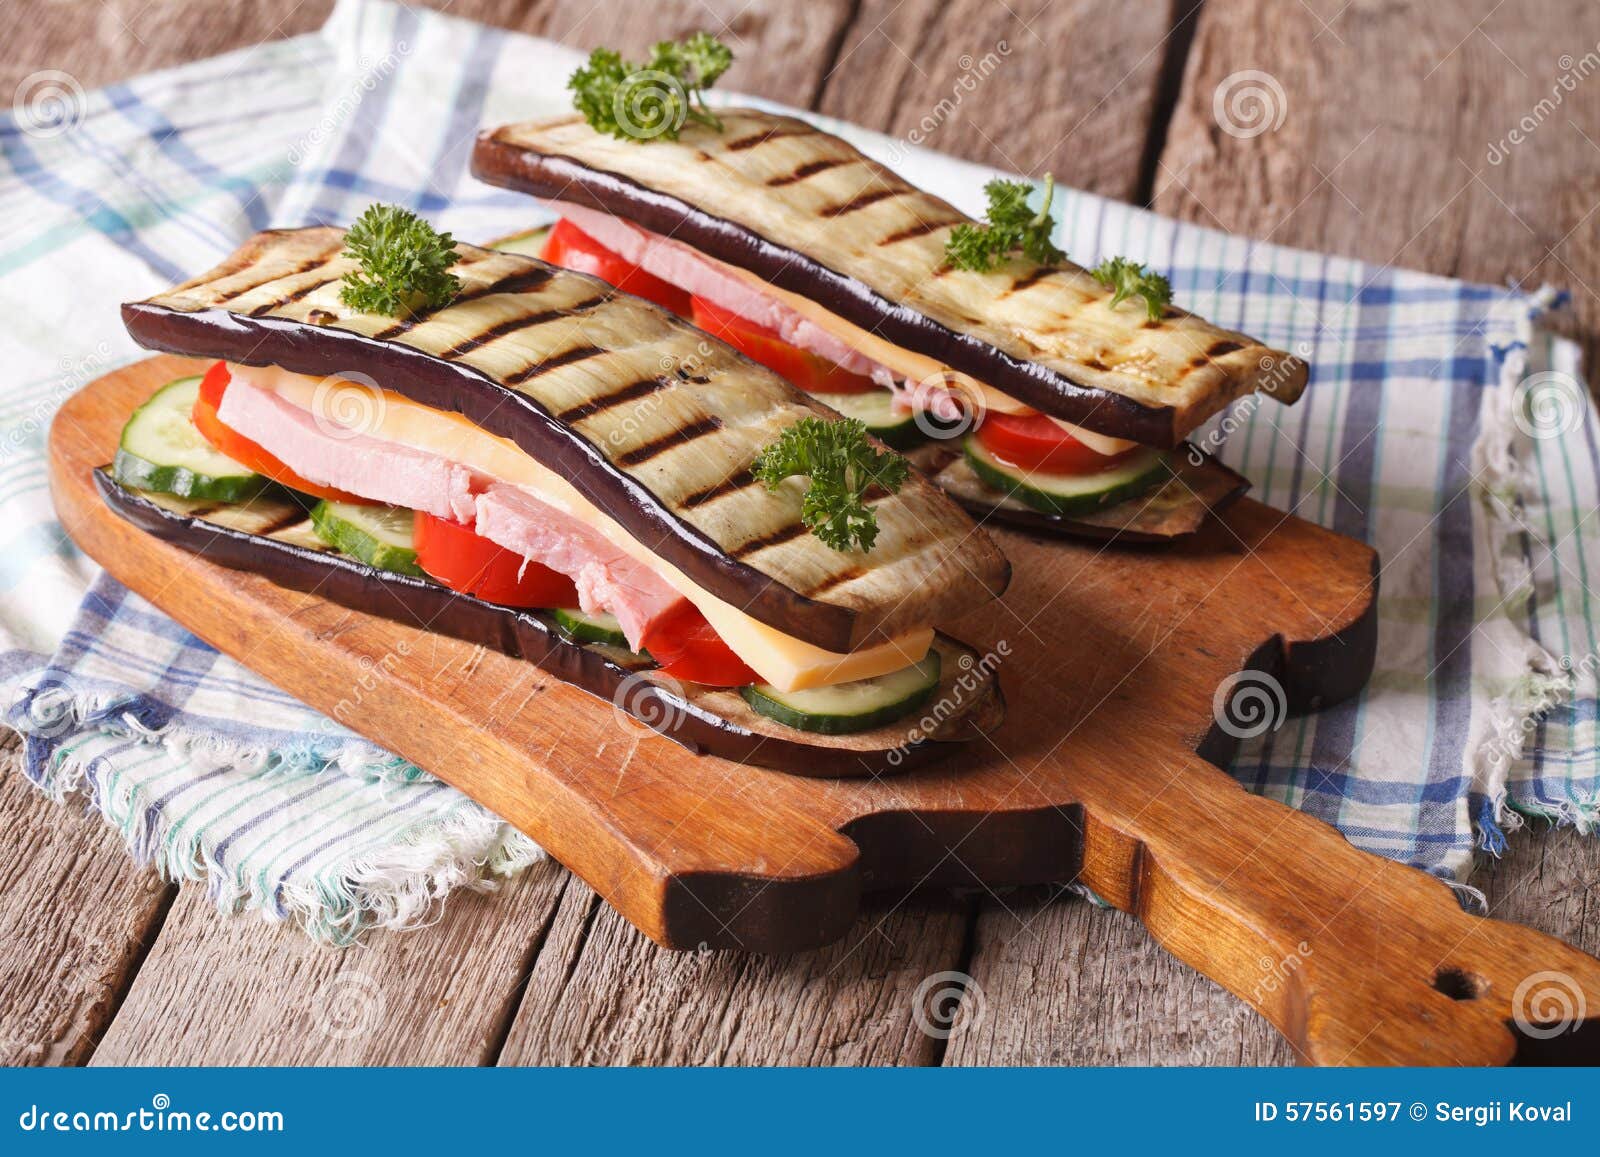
<point x="788" y="663"/>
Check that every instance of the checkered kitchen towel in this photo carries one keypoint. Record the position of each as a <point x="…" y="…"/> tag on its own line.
<point x="1440" y="427"/>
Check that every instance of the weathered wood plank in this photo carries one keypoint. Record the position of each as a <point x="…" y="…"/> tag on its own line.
<point x="601" y="994"/>
<point x="1030" y="86"/>
<point x="238" y="991"/>
<point x="75" y="917"/>
<point x="1058" y="981"/>
<point x="1394" y="135"/>
<point x="783" y="49"/>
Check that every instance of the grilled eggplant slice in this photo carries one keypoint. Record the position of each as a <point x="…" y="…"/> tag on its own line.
<point x="275" y="539"/>
<point x="656" y="423"/>
<point x="811" y="215"/>
<point x="1200" y="486"/>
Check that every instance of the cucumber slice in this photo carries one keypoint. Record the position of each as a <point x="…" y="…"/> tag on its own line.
<point x="846" y="708"/>
<point x="1070" y="494"/>
<point x="162" y="450"/>
<point x="380" y="536"/>
<point x="529" y="244"/>
<point x="895" y="428"/>
<point x="582" y="628"/>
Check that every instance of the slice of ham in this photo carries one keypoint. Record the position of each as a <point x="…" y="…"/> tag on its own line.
<point x="682" y="265"/>
<point x="381" y="470"/>
<point x="606" y="578"/>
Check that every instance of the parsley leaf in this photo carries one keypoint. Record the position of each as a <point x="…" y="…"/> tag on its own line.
<point x="405" y="263"/>
<point x="842" y="465"/>
<point x="1012" y="226"/>
<point x="654" y="98"/>
<point x="1128" y="279"/>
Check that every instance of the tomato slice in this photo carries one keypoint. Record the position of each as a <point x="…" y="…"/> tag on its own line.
<point x="467" y="562"/>
<point x="572" y="248"/>
<point x="816" y="375"/>
<point x="1034" y="443"/>
<point x="250" y="454"/>
<point x="687" y="648"/>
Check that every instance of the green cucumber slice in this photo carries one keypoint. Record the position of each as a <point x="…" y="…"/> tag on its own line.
<point x="380" y="536"/>
<point x="895" y="428"/>
<point x="1070" y="494"/>
<point x="846" y="708"/>
<point x="162" y="450"/>
<point x="529" y="244"/>
<point x="582" y="628"/>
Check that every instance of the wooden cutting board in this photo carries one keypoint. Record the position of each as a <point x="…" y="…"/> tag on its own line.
<point x="1111" y="660"/>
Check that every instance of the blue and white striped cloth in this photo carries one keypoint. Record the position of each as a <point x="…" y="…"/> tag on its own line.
<point x="1440" y="426"/>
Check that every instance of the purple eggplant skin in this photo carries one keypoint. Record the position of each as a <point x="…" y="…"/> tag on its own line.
<point x="559" y="178"/>
<point x="517" y="633"/>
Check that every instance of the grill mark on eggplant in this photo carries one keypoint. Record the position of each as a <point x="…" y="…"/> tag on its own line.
<point x="733" y="483"/>
<point x="290" y="518"/>
<point x="764" y="136"/>
<point x="305" y="266"/>
<point x="629" y="393"/>
<point x="1030" y="279"/>
<point x="518" y="281"/>
<point x="776" y="538"/>
<point x="809" y="169"/>
<point x="1223" y="348"/>
<point x="293" y="296"/>
<point x="837" y="580"/>
<point x="859" y="202"/>
<point x="513" y="324"/>
<point x="569" y="357"/>
<point x="920" y="229"/>
<point x="671" y="440"/>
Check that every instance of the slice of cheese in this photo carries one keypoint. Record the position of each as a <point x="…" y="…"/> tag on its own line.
<point x="788" y="663"/>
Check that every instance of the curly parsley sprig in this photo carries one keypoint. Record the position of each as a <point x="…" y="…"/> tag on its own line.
<point x="1012" y="226"/>
<point x="1127" y="279"/>
<point x="842" y="464"/>
<point x="405" y="263"/>
<point x="654" y="98"/>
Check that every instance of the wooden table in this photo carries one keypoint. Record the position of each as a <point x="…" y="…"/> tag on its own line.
<point x="1389" y="114"/>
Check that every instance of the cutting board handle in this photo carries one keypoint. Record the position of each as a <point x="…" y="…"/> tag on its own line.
<point x="1356" y="959"/>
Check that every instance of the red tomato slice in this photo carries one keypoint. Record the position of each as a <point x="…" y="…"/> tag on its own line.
<point x="467" y="562"/>
<point x="1034" y="443"/>
<point x="811" y="373"/>
<point x="572" y="248"/>
<point x="686" y="647"/>
<point x="242" y="450"/>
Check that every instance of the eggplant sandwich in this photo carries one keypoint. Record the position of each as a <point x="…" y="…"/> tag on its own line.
<point x="1035" y="391"/>
<point x="521" y="456"/>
